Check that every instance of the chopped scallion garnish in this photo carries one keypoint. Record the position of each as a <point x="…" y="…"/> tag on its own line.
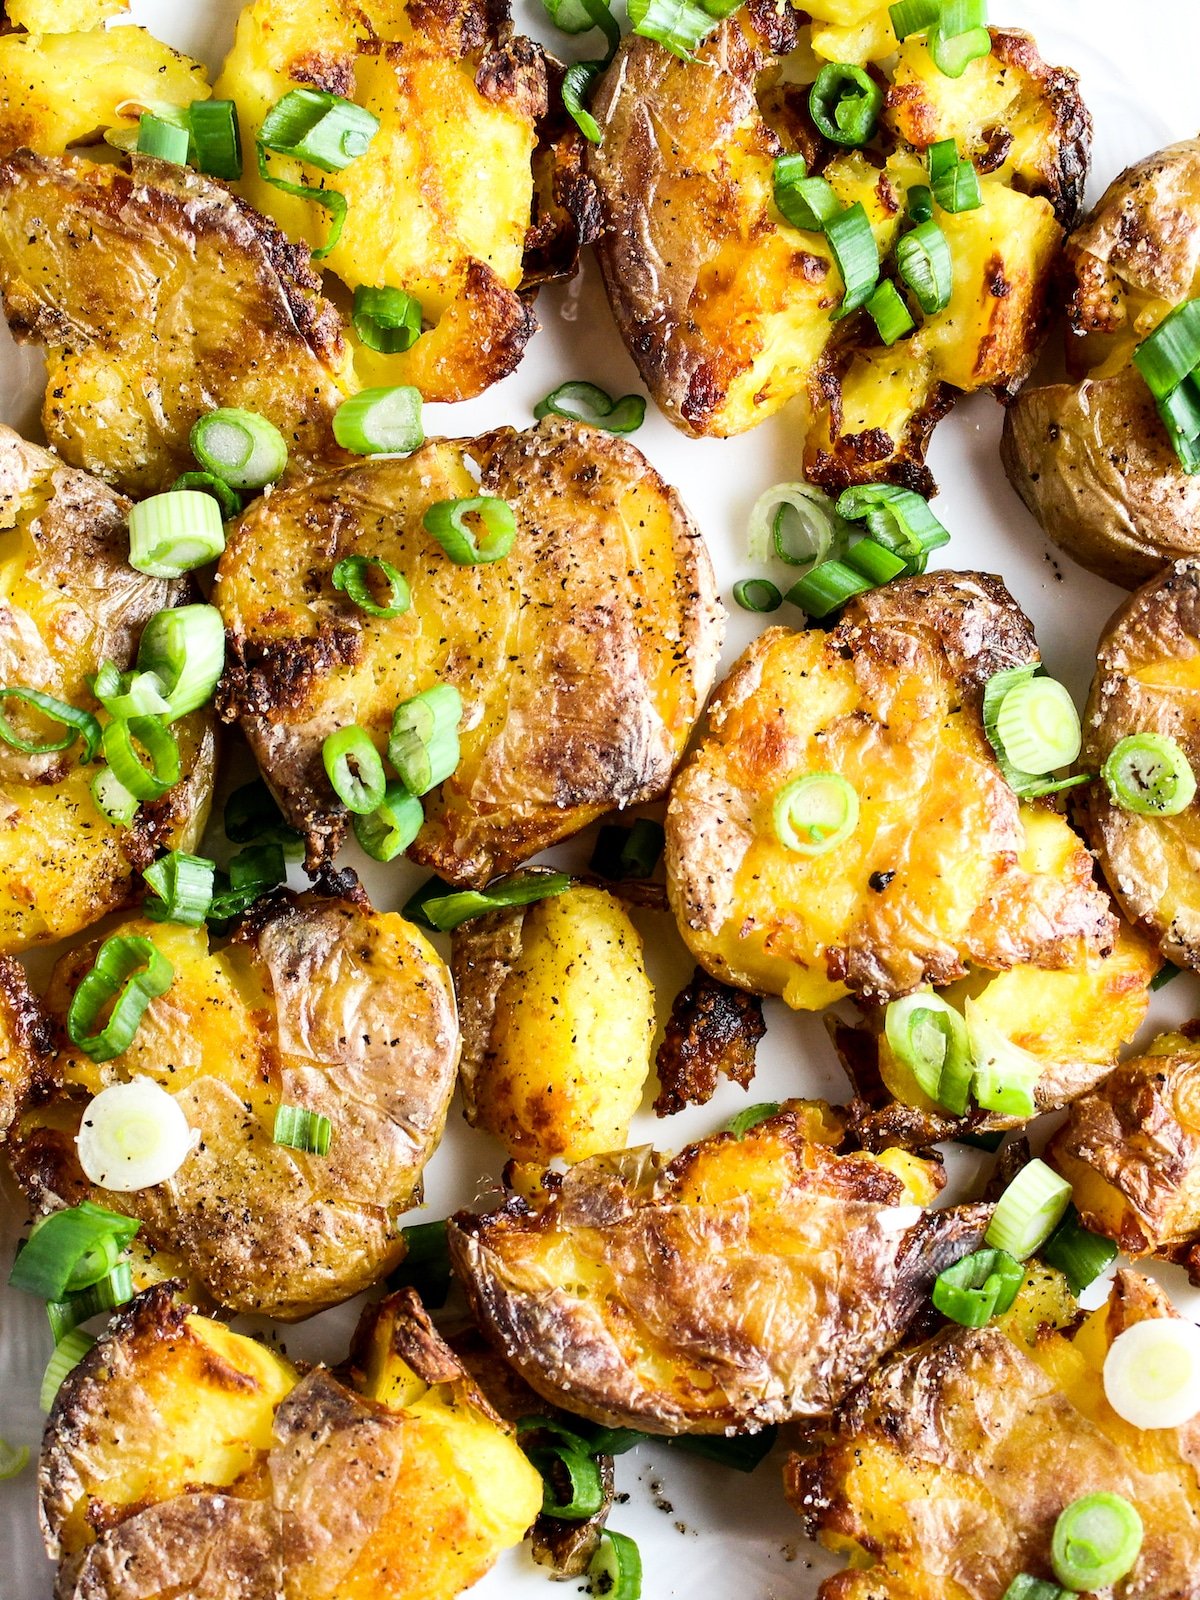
<point x="184" y="647"/>
<point x="890" y="315"/>
<point x="741" y="1125"/>
<point x="113" y="1290"/>
<point x="616" y="1568"/>
<point x="929" y="1037"/>
<point x="240" y="447"/>
<point x="628" y="853"/>
<point x="807" y="203"/>
<point x="826" y="588"/>
<point x="183" y="885"/>
<point x="352" y="575"/>
<point x="757" y="594"/>
<point x="130" y="972"/>
<point x="70" y="1250"/>
<point x="979" y="1287"/>
<point x="1149" y="774"/>
<point x="426" y="1264"/>
<point x="815" y="813"/>
<point x="844" y="103"/>
<point x="423" y="746"/>
<point x="577" y="86"/>
<point x="1096" y="1541"/>
<point x="923" y="261"/>
<point x="955" y="183"/>
<point x="383" y="421"/>
<point x="354" y="768"/>
<point x="174" y="533"/>
<point x="857" y="256"/>
<point x="216" y="139"/>
<point x="437" y="905"/>
<point x="67" y="1356"/>
<point x="385" y="319"/>
<point x="319" y="128"/>
<point x="13" y="1460"/>
<point x="678" y="24"/>
<point x="76" y="722"/>
<point x="588" y="402"/>
<point x="1028" y="1211"/>
<point x="121" y="741"/>
<point x="168" y="141"/>
<point x="1079" y="1255"/>
<point x="302" y="1129"/>
<point x="389" y="830"/>
<point x="489" y="537"/>
<point x="228" y="499"/>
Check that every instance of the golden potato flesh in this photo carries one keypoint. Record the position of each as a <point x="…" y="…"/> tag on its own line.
<point x="440" y="202"/>
<point x="945" y="869"/>
<point x="583" y="657"/>
<point x="948" y="1469"/>
<point x="557" y="1017"/>
<point x="746" y="1282"/>
<point x="727" y="308"/>
<point x="68" y="602"/>
<point x="319" y="1003"/>
<point x="1147" y="674"/>
<point x="159" y="296"/>
<point x="61" y="16"/>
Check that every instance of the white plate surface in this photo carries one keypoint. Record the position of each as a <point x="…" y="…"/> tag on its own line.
<point x="701" y="1530"/>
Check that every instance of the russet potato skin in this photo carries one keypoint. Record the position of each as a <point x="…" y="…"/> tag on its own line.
<point x="557" y="1016"/>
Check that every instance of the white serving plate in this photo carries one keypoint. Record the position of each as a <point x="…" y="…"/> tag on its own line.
<point x="701" y="1529"/>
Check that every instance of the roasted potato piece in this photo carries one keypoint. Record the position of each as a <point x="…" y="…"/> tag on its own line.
<point x="68" y="601"/>
<point x="557" y="1019"/>
<point x="726" y="308"/>
<point x="1147" y="670"/>
<point x="61" y="16"/>
<point x="1091" y="459"/>
<point x="159" y="295"/>
<point x="62" y="87"/>
<point x="743" y="1283"/>
<point x="713" y="1030"/>
<point x="405" y="1486"/>
<point x="944" y="870"/>
<point x="583" y="658"/>
<point x="320" y="1003"/>
<point x="948" y="1469"/>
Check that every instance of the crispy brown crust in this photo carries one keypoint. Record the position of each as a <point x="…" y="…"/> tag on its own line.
<point x="27" y="1041"/>
<point x="566" y="208"/>
<point x="713" y="1029"/>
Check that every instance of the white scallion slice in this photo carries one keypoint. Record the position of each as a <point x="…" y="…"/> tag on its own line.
<point x="1028" y="1211"/>
<point x="796" y="524"/>
<point x="174" y="533"/>
<point x="1039" y="726"/>
<point x="133" y="1135"/>
<point x="184" y="647"/>
<point x="1152" y="1373"/>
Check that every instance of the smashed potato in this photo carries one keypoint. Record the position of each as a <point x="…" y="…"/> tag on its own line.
<point x="745" y="1282"/>
<point x="945" y="869"/>
<point x="948" y="1469"/>
<point x="557" y="1018"/>
<point x="583" y="658"/>
<point x="190" y="1460"/>
<point x="317" y="1002"/>
<point x="159" y="296"/>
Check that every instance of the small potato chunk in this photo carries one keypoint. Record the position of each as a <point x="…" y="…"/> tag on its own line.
<point x="746" y="1282"/>
<point x="320" y="1003"/>
<point x="945" y="869"/>
<point x="62" y="16"/>
<point x="558" y="1015"/>
<point x="159" y="296"/>
<point x="583" y="658"/>
<point x="947" y="1471"/>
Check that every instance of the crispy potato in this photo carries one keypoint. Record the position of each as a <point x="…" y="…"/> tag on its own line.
<point x="948" y="1469"/>
<point x="459" y="98"/>
<point x="583" y="658"/>
<point x="319" y="1003"/>
<point x="713" y="1030"/>
<point x="1091" y="459"/>
<point x="394" y="1479"/>
<point x="557" y="1019"/>
<point x="745" y="1282"/>
<point x="68" y="601"/>
<point x="1147" y="670"/>
<point x="159" y="295"/>
<point x="726" y="309"/>
<point x="945" y="868"/>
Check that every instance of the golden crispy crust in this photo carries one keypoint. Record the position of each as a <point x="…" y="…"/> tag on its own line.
<point x="26" y="1040"/>
<point x="566" y="208"/>
<point x="713" y="1029"/>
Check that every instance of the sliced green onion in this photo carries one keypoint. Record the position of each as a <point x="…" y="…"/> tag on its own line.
<point x="352" y="576"/>
<point x="844" y="102"/>
<point x="436" y="905"/>
<point x="70" y="1250"/>
<point x="897" y="518"/>
<point x="815" y="813"/>
<point x="628" y="853"/>
<point x="1028" y="1211"/>
<point x="807" y="203"/>
<point x="559" y="1434"/>
<point x="156" y="739"/>
<point x="380" y="421"/>
<point x="355" y="769"/>
<point x="615" y="1570"/>
<point x="1172" y="352"/>
<point x="174" y="533"/>
<point x="959" y="36"/>
<point x="165" y="140"/>
<point x="319" y="128"/>
<point x="112" y="1291"/>
<point x="741" y="1125"/>
<point x="875" y="562"/>
<point x="13" y="1460"/>
<point x="228" y="499"/>
<point x="588" y="402"/>
<point x="914" y="16"/>
<point x="385" y="319"/>
<point x="67" y="1356"/>
<point x="1079" y="1255"/>
<point x="1149" y="773"/>
<point x="757" y="594"/>
<point x="389" y="830"/>
<point x="128" y="971"/>
<point x="854" y="249"/>
<point x="929" y="1037"/>
<point x="577" y="86"/>
<point x="826" y="588"/>
<point x="184" y="647"/>
<point x="1180" y="414"/>
<point x="1164" y="976"/>
<point x="1038" y="726"/>
<point x="1005" y="1075"/>
<point x="426" y="1264"/>
<point x="331" y="200"/>
<point x="979" y="1287"/>
<point x="1152" y="1373"/>
<point x="955" y="182"/>
<point x="251" y="873"/>
<point x="796" y="523"/>
<point x="920" y="203"/>
<point x="302" y="1129"/>
<point x="184" y="886"/>
<point x="423" y="746"/>
<point x="112" y="799"/>
<point x="743" y="1452"/>
<point x="133" y="1136"/>
<point x="571" y="16"/>
<point x="995" y="691"/>
<point x="614" y="1441"/>
<point x="1096" y="1542"/>
<point x="890" y="315"/>
<point x="572" y="1488"/>
<point x="76" y="722"/>
<point x="923" y="261"/>
<point x="241" y="447"/>
<point x="1023" y="1587"/>
<point x="678" y="24"/>
<point x="446" y="521"/>
<point x="132" y="694"/>
<point x="216" y="139"/>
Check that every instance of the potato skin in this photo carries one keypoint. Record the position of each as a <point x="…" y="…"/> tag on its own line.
<point x="319" y="1003"/>
<point x="746" y="1282"/>
<point x="891" y="699"/>
<point x="583" y="658"/>
<point x="557" y="1016"/>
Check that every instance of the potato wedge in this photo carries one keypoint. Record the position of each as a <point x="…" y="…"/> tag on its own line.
<point x="948" y="1469"/>
<point x="158" y="296"/>
<point x="745" y="1282"/>
<point x="583" y="658"/>
<point x="944" y="870"/>
<point x="318" y="1002"/>
<point x="68" y="601"/>
<point x="557" y="1018"/>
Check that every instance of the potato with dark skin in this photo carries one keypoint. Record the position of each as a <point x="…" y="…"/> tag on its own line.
<point x="583" y="657"/>
<point x="317" y="1002"/>
<point x="747" y="1281"/>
